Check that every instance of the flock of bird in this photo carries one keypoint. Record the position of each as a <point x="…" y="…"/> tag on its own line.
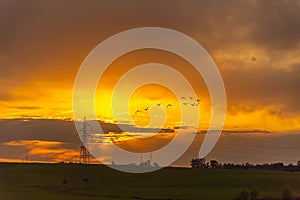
<point x="190" y="101"/>
<point x="186" y="101"/>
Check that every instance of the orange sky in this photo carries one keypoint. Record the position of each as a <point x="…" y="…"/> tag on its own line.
<point x="52" y="99"/>
<point x="44" y="43"/>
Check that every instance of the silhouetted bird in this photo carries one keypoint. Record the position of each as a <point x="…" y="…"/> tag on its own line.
<point x="253" y="59"/>
<point x="147" y="108"/>
<point x="169" y="105"/>
<point x="158" y="104"/>
<point x="137" y="111"/>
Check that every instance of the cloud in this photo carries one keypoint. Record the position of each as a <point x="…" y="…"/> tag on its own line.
<point x="264" y="87"/>
<point x="53" y="40"/>
<point x="255" y="131"/>
<point x="36" y="130"/>
<point x="39" y="150"/>
<point x="55" y="34"/>
<point x="49" y="150"/>
<point x="33" y="143"/>
<point x="26" y="107"/>
<point x="56" y="140"/>
<point x="44" y="43"/>
<point x="294" y="68"/>
<point x="55" y="154"/>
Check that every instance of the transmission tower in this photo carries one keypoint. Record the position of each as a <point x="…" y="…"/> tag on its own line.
<point x="85" y="156"/>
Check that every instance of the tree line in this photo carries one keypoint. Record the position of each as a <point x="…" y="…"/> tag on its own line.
<point x="214" y="164"/>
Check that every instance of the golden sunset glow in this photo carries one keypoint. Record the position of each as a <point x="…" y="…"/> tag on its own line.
<point x="32" y="100"/>
<point x="40" y="57"/>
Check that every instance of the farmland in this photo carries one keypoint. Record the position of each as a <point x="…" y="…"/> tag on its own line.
<point x="80" y="182"/>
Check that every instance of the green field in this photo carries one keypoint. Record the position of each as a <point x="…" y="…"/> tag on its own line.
<point x="45" y="181"/>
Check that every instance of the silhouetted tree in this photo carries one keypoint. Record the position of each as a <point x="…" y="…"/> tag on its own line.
<point x="198" y="163"/>
<point x="201" y="163"/>
<point x="214" y="164"/>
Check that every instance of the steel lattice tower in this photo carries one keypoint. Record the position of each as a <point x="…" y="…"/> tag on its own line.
<point x="85" y="157"/>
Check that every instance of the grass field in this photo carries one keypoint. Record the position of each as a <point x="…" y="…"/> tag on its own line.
<point x="45" y="182"/>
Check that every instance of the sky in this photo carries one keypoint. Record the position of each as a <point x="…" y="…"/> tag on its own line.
<point x="255" y="45"/>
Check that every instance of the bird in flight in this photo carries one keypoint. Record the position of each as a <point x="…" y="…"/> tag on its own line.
<point x="169" y="105"/>
<point x="158" y="104"/>
<point x="137" y="111"/>
<point x="147" y="108"/>
<point x="253" y="59"/>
